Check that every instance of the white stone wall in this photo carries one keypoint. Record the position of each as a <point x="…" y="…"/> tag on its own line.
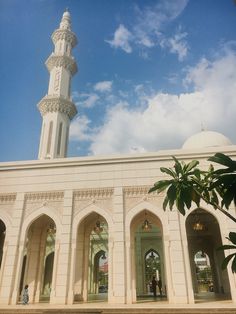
<point x="68" y="191"/>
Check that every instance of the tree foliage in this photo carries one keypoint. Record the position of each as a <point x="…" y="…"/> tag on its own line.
<point x="189" y="184"/>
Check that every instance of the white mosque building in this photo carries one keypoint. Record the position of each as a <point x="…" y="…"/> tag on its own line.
<point x="84" y="229"/>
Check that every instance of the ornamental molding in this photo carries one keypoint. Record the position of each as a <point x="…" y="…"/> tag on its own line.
<point x="45" y="196"/>
<point x="138" y="191"/>
<point x="93" y="194"/>
<point x="61" y="61"/>
<point x="64" y="34"/>
<point x="7" y="198"/>
<point x="57" y="104"/>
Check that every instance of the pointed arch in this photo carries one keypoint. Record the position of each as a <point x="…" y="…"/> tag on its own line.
<point x="6" y="219"/>
<point x="160" y="214"/>
<point x="218" y="216"/>
<point x="32" y="217"/>
<point x="85" y="212"/>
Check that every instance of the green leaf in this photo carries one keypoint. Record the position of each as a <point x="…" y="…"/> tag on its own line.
<point x="168" y="171"/>
<point x="214" y="199"/>
<point x="233" y="265"/>
<point x="178" y="166"/>
<point x="154" y="188"/>
<point x="228" y="197"/>
<point x="180" y="205"/>
<point x="160" y="186"/>
<point x="192" y="165"/>
<point x="232" y="237"/>
<point x="197" y="173"/>
<point x="196" y="198"/>
<point x="186" y="196"/>
<point x="165" y="203"/>
<point x="224" y="160"/>
<point x="226" y="247"/>
<point x="171" y="193"/>
<point x="226" y="261"/>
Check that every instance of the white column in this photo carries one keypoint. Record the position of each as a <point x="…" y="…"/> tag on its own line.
<point x="62" y="270"/>
<point x="118" y="250"/>
<point x="189" y="282"/>
<point x="72" y="273"/>
<point x="128" y="271"/>
<point x="178" y="273"/>
<point x="9" y="273"/>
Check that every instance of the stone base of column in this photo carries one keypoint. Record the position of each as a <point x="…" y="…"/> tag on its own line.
<point x="70" y="297"/>
<point x="4" y="301"/>
<point x="14" y="298"/>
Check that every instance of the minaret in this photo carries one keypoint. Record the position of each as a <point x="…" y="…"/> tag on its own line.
<point x="56" y="107"/>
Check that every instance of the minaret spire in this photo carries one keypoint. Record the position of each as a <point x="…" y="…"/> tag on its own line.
<point x="56" y="107"/>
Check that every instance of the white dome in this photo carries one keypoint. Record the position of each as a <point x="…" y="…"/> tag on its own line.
<point x="206" y="139"/>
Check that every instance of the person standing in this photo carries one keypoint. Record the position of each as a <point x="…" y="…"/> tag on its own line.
<point x="25" y="295"/>
<point x="154" y="286"/>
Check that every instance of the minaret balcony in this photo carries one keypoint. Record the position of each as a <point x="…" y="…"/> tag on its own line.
<point x="51" y="103"/>
<point x="61" y="61"/>
<point x="64" y="34"/>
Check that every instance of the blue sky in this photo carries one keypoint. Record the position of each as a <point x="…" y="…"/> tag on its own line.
<point x="150" y="73"/>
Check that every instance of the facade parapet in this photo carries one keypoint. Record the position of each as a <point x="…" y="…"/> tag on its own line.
<point x="57" y="104"/>
<point x="61" y="61"/>
<point x="64" y="34"/>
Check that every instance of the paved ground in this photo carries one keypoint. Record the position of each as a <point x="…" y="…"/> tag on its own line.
<point x="202" y="301"/>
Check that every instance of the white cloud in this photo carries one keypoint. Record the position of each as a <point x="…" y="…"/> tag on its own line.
<point x="122" y="38"/>
<point x="90" y="101"/>
<point x="177" y="44"/>
<point x="104" y="86"/>
<point x="167" y="120"/>
<point x="147" y="30"/>
<point x="79" y="129"/>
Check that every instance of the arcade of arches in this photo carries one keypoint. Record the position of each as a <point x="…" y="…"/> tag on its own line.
<point x="94" y="261"/>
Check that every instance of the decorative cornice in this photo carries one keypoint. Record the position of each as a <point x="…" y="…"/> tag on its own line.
<point x="61" y="61"/>
<point x="7" y="198"/>
<point x="138" y="191"/>
<point x="85" y="194"/>
<point x="57" y="104"/>
<point x="41" y="196"/>
<point x="64" y="34"/>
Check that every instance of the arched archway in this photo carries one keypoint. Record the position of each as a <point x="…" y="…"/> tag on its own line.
<point x="204" y="237"/>
<point x="147" y="258"/>
<point x="91" y="269"/>
<point x="38" y="257"/>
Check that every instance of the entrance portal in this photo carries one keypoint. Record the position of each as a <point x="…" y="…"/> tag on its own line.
<point x="148" y="257"/>
<point x="91" y="271"/>
<point x="37" y="264"/>
<point x="203" y="233"/>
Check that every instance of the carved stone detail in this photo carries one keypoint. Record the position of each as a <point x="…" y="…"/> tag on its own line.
<point x="93" y="194"/>
<point x="138" y="191"/>
<point x="61" y="61"/>
<point x="137" y="194"/>
<point x="7" y="198"/>
<point x="43" y="196"/>
<point x="98" y="197"/>
<point x="66" y="35"/>
<point x="53" y="200"/>
<point x="57" y="104"/>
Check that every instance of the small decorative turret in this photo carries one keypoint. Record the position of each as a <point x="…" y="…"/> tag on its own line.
<point x="56" y="107"/>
